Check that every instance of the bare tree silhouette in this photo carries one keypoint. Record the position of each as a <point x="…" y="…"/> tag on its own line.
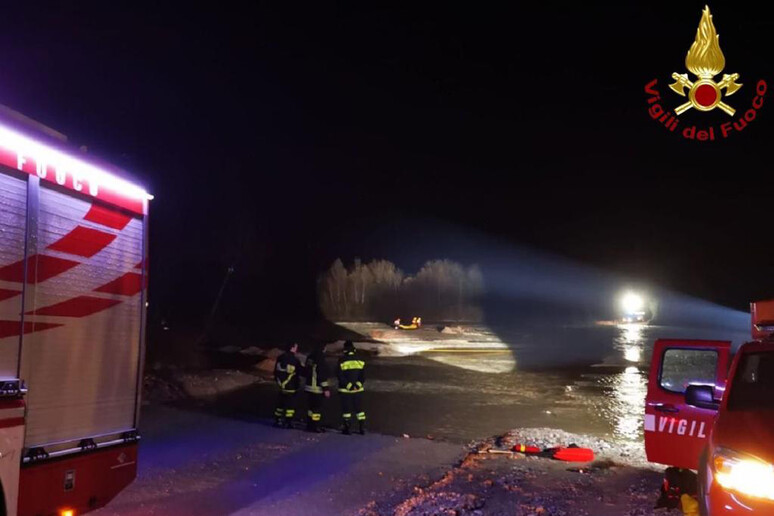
<point x="442" y="290"/>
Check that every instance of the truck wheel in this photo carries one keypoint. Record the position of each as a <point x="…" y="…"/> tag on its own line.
<point x="703" y="484"/>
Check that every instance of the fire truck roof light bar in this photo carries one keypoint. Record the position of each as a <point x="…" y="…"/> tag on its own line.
<point x="57" y="158"/>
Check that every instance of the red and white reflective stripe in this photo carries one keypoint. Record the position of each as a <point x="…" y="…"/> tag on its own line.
<point x="84" y="242"/>
<point x="39" y="268"/>
<point x="103" y="216"/>
<point x="11" y="422"/>
<point x="11" y="412"/>
<point x="14" y="328"/>
<point x="8" y="293"/>
<point x="81" y="306"/>
<point x="13" y="403"/>
<point x="127" y="285"/>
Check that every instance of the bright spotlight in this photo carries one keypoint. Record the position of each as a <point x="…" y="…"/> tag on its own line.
<point x="632" y="303"/>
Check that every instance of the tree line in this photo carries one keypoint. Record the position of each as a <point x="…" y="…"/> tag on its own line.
<point x="442" y="290"/>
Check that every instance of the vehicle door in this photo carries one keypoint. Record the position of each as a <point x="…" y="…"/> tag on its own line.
<point x="675" y="432"/>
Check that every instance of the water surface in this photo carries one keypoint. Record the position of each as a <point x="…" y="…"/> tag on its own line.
<point x="586" y="379"/>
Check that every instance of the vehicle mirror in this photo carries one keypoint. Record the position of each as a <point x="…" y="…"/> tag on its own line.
<point x="702" y="396"/>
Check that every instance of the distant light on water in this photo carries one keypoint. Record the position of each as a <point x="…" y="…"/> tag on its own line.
<point x="631" y="338"/>
<point x="633" y="354"/>
<point x="631" y="333"/>
<point x="629" y="394"/>
<point x="632" y="302"/>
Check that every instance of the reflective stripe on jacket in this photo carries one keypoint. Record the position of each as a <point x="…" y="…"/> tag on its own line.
<point x="316" y="374"/>
<point x="286" y="372"/>
<point x="351" y="373"/>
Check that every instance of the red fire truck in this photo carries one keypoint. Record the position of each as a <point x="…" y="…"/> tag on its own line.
<point x="73" y="270"/>
<point x="712" y="413"/>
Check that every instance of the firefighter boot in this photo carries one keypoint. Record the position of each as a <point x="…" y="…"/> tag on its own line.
<point x="278" y="413"/>
<point x="345" y="428"/>
<point x="287" y="421"/>
<point x="361" y="424"/>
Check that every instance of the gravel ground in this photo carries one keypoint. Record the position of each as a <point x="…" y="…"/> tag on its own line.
<point x="491" y="481"/>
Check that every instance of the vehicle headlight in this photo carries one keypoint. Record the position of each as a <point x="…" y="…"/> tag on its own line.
<point x="744" y="474"/>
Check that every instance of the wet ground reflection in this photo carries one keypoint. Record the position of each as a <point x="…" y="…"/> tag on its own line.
<point x="629" y="390"/>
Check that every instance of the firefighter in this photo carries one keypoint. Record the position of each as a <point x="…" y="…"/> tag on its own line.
<point x="689" y="505"/>
<point x="351" y="376"/>
<point x="316" y="372"/>
<point x="286" y="373"/>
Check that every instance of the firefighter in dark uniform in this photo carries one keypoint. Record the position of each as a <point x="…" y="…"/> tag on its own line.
<point x="287" y="371"/>
<point x="316" y="372"/>
<point x="351" y="376"/>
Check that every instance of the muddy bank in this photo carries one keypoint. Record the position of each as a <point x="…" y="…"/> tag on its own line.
<point x="491" y="481"/>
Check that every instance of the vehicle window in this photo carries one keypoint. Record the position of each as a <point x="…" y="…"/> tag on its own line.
<point x="683" y="367"/>
<point x="753" y="387"/>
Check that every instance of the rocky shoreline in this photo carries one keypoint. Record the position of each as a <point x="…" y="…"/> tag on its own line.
<point x="492" y="480"/>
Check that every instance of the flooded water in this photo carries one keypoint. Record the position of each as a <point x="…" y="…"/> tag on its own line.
<point x="590" y="379"/>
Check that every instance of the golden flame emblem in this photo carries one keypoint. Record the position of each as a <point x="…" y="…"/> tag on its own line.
<point x="705" y="60"/>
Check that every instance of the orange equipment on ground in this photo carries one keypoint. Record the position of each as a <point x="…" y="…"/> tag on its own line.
<point x="570" y="453"/>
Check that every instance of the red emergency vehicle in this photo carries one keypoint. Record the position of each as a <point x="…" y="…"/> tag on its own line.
<point x="708" y="412"/>
<point x="73" y="269"/>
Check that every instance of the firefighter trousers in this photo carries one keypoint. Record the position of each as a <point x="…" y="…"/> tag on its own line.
<point x="286" y="406"/>
<point x="315" y="402"/>
<point x="352" y="406"/>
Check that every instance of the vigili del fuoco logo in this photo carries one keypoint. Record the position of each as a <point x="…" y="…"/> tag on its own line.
<point x="705" y="61"/>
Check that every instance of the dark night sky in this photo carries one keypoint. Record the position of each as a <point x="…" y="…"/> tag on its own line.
<point x="288" y="134"/>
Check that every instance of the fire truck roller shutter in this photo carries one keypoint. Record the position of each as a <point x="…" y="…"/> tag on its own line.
<point x="13" y="214"/>
<point x="82" y="374"/>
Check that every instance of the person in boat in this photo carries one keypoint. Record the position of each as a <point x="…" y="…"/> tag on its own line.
<point x="415" y="323"/>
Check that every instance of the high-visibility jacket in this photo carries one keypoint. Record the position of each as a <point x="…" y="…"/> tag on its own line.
<point x="689" y="505"/>
<point x="287" y="371"/>
<point x="316" y="372"/>
<point x="351" y="373"/>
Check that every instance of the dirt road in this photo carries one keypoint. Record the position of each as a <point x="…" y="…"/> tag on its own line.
<point x="197" y="464"/>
